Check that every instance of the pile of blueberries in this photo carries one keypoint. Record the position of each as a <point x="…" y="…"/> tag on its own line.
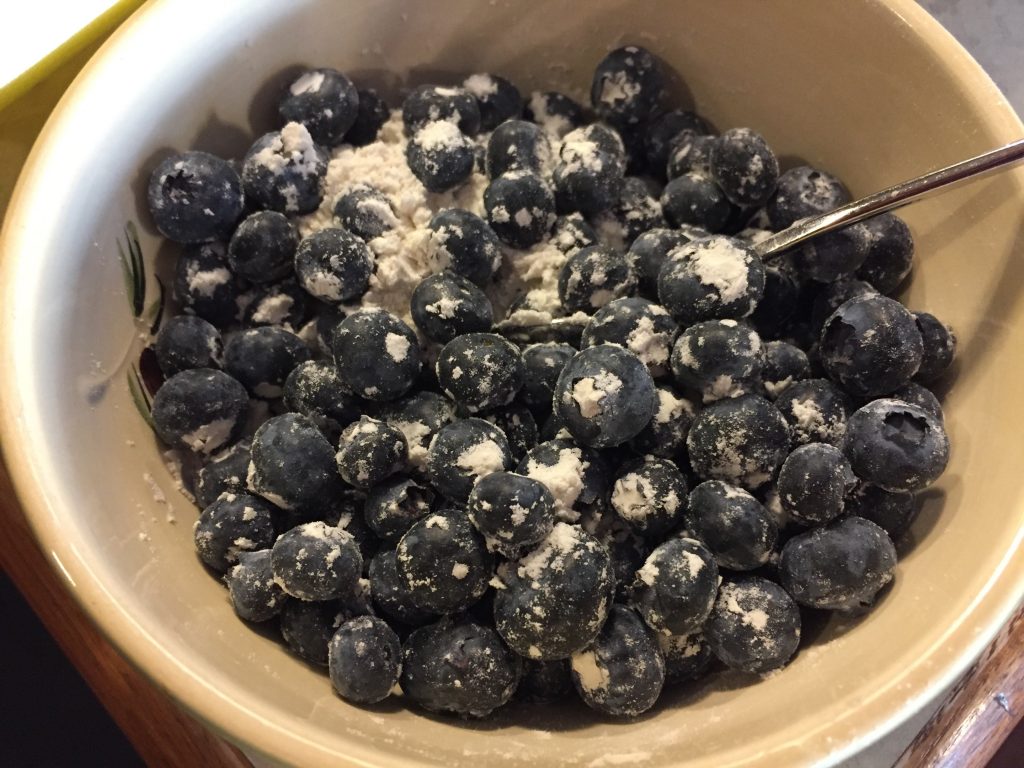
<point x="705" y="448"/>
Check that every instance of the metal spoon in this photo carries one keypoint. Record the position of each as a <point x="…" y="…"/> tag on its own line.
<point x="888" y="199"/>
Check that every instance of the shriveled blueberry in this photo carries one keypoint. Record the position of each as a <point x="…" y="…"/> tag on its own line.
<point x="201" y="409"/>
<point x="719" y="359"/>
<point x="464" y="243"/>
<point x="292" y="464"/>
<point x="518" y="145"/>
<point x="263" y="246"/>
<point x="307" y="628"/>
<point x="497" y="99"/>
<point x="205" y="284"/>
<point x="432" y="103"/>
<point x="463" y="451"/>
<point x="939" y="346"/>
<point x="687" y="657"/>
<point x="650" y="495"/>
<point x="816" y="410"/>
<point x="833" y="255"/>
<point x="440" y="155"/>
<point x="377" y="355"/>
<point x="285" y="304"/>
<point x="589" y="171"/>
<point x="315" y="390"/>
<point x="644" y="328"/>
<point x="744" y="166"/>
<point x="364" y="659"/>
<point x="813" y="482"/>
<point x="480" y="371"/>
<point x="391" y="594"/>
<point x="592" y="277"/>
<point x="254" y="594"/>
<point x="555" y="112"/>
<point x="802" y="192"/>
<point x="371" y="115"/>
<point x="734" y="525"/>
<point x="234" y="523"/>
<point x="511" y="511"/>
<point x="194" y="196"/>
<point x="648" y="252"/>
<point x="261" y="358"/>
<point x="284" y="171"/>
<point x="714" y="278"/>
<point x="394" y="504"/>
<point x="636" y="211"/>
<point x="323" y="100"/>
<point x="892" y="511"/>
<point x="890" y="254"/>
<point x="316" y="561"/>
<point x="575" y="475"/>
<point x="665" y="434"/>
<point x="187" y="342"/>
<point x="663" y="130"/>
<point x="628" y="86"/>
<point x="694" y="199"/>
<point x="226" y="471"/>
<point x="520" y="208"/>
<point x="754" y="625"/>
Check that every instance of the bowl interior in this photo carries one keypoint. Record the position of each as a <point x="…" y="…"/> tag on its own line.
<point x="99" y="495"/>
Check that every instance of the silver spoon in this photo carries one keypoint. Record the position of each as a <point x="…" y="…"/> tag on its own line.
<point x="888" y="199"/>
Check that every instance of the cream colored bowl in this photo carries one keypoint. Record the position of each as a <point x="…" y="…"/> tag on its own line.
<point x="875" y="91"/>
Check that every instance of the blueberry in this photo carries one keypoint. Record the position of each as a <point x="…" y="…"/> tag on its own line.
<point x="555" y="112"/>
<point x="648" y="252"/>
<point x="458" y="666"/>
<point x="676" y="586"/>
<point x="665" y="435"/>
<point x="394" y="504"/>
<point x="922" y="397"/>
<point x="497" y="99"/>
<point x="186" y="342"/>
<point x="744" y="166"/>
<point x="463" y="451"/>
<point x="803" y="192"/>
<point x="650" y="495"/>
<point x="194" y="196"/>
<point x="741" y="440"/>
<point x="690" y="152"/>
<point x="235" y="522"/>
<point x="568" y="581"/>
<point x="307" y="628"/>
<point x="636" y="211"/>
<point x="444" y="561"/>
<point x="628" y="86"/>
<point x="939" y="347"/>
<point x="345" y="511"/>
<point x="813" y="481"/>
<point x="391" y="594"/>
<point x="754" y="625"/>
<point x="783" y="364"/>
<point x="687" y="657"/>
<point x="833" y="295"/>
<point x="365" y="212"/>
<point x="666" y="128"/>
<point x="205" y="285"/>
<point x="544" y="681"/>
<point x="263" y="246"/>
<point x="542" y="365"/>
<point x="371" y="115"/>
<point x="816" y="410"/>
<point x="432" y="103"/>
<point x="419" y="417"/>
<point x="592" y="277"/>
<point x="733" y="525"/>
<point x="284" y="170"/>
<point x="517" y="145"/>
<point x="719" y="359"/>
<point x="315" y="390"/>
<point x="642" y="327"/>
<point x="605" y="396"/>
<point x="896" y="445"/>
<point x="369" y="451"/>
<point x="323" y="100"/>
<point x="892" y="511"/>
<point x="571" y="233"/>
<point x="377" y="355"/>
<point x="520" y="208"/>
<point x="261" y="358"/>
<point x="778" y="303"/>
<point x="315" y="561"/>
<point x="200" y="409"/>
<point x="292" y="464"/>
<point x="519" y="426"/>
<point x="576" y="476"/>
<point x="590" y="169"/>
<point x="480" y="371"/>
<point x="226" y="471"/>
<point x="890" y="253"/>
<point x="715" y="278"/>
<point x="692" y="198"/>
<point x="254" y="594"/>
<point x="833" y="255"/>
<point x="364" y="659"/>
<point x="284" y="304"/>
<point x="440" y="156"/>
<point x="511" y="511"/>
<point x="464" y="243"/>
<point x="871" y="345"/>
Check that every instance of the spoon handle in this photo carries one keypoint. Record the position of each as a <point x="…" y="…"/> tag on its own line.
<point x="893" y="197"/>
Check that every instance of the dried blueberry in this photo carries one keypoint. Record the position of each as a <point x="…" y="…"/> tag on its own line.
<point x="333" y="265"/>
<point x="576" y="476"/>
<point x="520" y="208"/>
<point x="833" y="295"/>
<point x="463" y="242"/>
<point x="315" y="561"/>
<point x="480" y="371"/>
<point x="636" y="211"/>
<point x="323" y="100"/>
<point x="200" y="409"/>
<point x="778" y="303"/>
<point x="734" y="525"/>
<point x="754" y="625"/>
<point x="261" y="358"/>
<point x="463" y="451"/>
<point x="254" y="594"/>
<point x="377" y="355"/>
<point x="519" y="426"/>
<point x="572" y="232"/>
<point x="186" y="342"/>
<point x="689" y="152"/>
<point x="833" y="255"/>
<point x="235" y="522"/>
<point x="687" y="657"/>
<point x="419" y="417"/>
<point x="922" y="397"/>
<point x="676" y="586"/>
<point x="194" y="196"/>
<point x="284" y="170"/>
<point x="365" y="212"/>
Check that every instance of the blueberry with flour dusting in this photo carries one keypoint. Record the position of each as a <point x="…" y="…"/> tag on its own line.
<point x="676" y="587"/>
<point x="234" y="523"/>
<point x="833" y="255"/>
<point x="511" y="511"/>
<point x="690" y="152"/>
<point x="262" y="247"/>
<point x="636" y="211"/>
<point x="718" y="359"/>
<point x="194" y="196"/>
<point x="315" y="390"/>
<point x="520" y="208"/>
<point x="284" y="303"/>
<point x="662" y="132"/>
<point x="307" y="628"/>
<point x="201" y="409"/>
<point x="590" y="169"/>
<point x="205" y="285"/>
<point x="896" y="445"/>
<point x="665" y="434"/>
<point x="480" y="371"/>
<point x="284" y="171"/>
<point x="740" y="440"/>
<point x="440" y="155"/>
<point x="650" y="494"/>
<point x="687" y="657"/>
<point x="783" y="364"/>
<point x="463" y="451"/>
<point x="365" y="212"/>
<point x="575" y="475"/>
<point x="605" y="396"/>
<point x="555" y="112"/>
<point x="316" y="561"/>
<point x="594" y="276"/>
<point x="922" y="397"/>
<point x="334" y="265"/>
<point x="444" y="561"/>
<point x="394" y="504"/>
<point x="892" y="511"/>
<point x="519" y="426"/>
<point x="377" y="355"/>
<point x="744" y="166"/>
<point x="464" y="243"/>
<point x="628" y="86"/>
<point x="939" y="346"/>
<point x="714" y="278"/>
<point x="391" y="594"/>
<point x="459" y="666"/>
<point x="623" y="671"/>
<point x="225" y="471"/>
<point x="694" y="199"/>
<point x="841" y="566"/>
<point x="890" y="253"/>
<point x="254" y="594"/>
<point x="754" y="625"/>
<point x="186" y="342"/>
<point x="553" y="601"/>
<point x="369" y="451"/>
<point x="292" y="464"/>
<point x="833" y="295"/>
<point x="364" y="660"/>
<point x="431" y="103"/>
<point x="371" y="115"/>
<point x="648" y="252"/>
<point x="497" y="99"/>
<point x="641" y="326"/>
<point x="871" y="345"/>
<point x="542" y="365"/>
<point x="419" y="417"/>
<point x="813" y="481"/>
<point x="446" y="305"/>
<point x="802" y="192"/>
<point x="261" y="358"/>
<point x="732" y="524"/>
<point x="572" y="232"/>
<point x="518" y="145"/>
<point x="323" y="100"/>
<point x="816" y="410"/>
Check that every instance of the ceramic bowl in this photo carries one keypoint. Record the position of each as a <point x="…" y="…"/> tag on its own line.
<point x="875" y="91"/>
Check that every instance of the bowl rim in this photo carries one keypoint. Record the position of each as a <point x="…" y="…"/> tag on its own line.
<point x="255" y="732"/>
